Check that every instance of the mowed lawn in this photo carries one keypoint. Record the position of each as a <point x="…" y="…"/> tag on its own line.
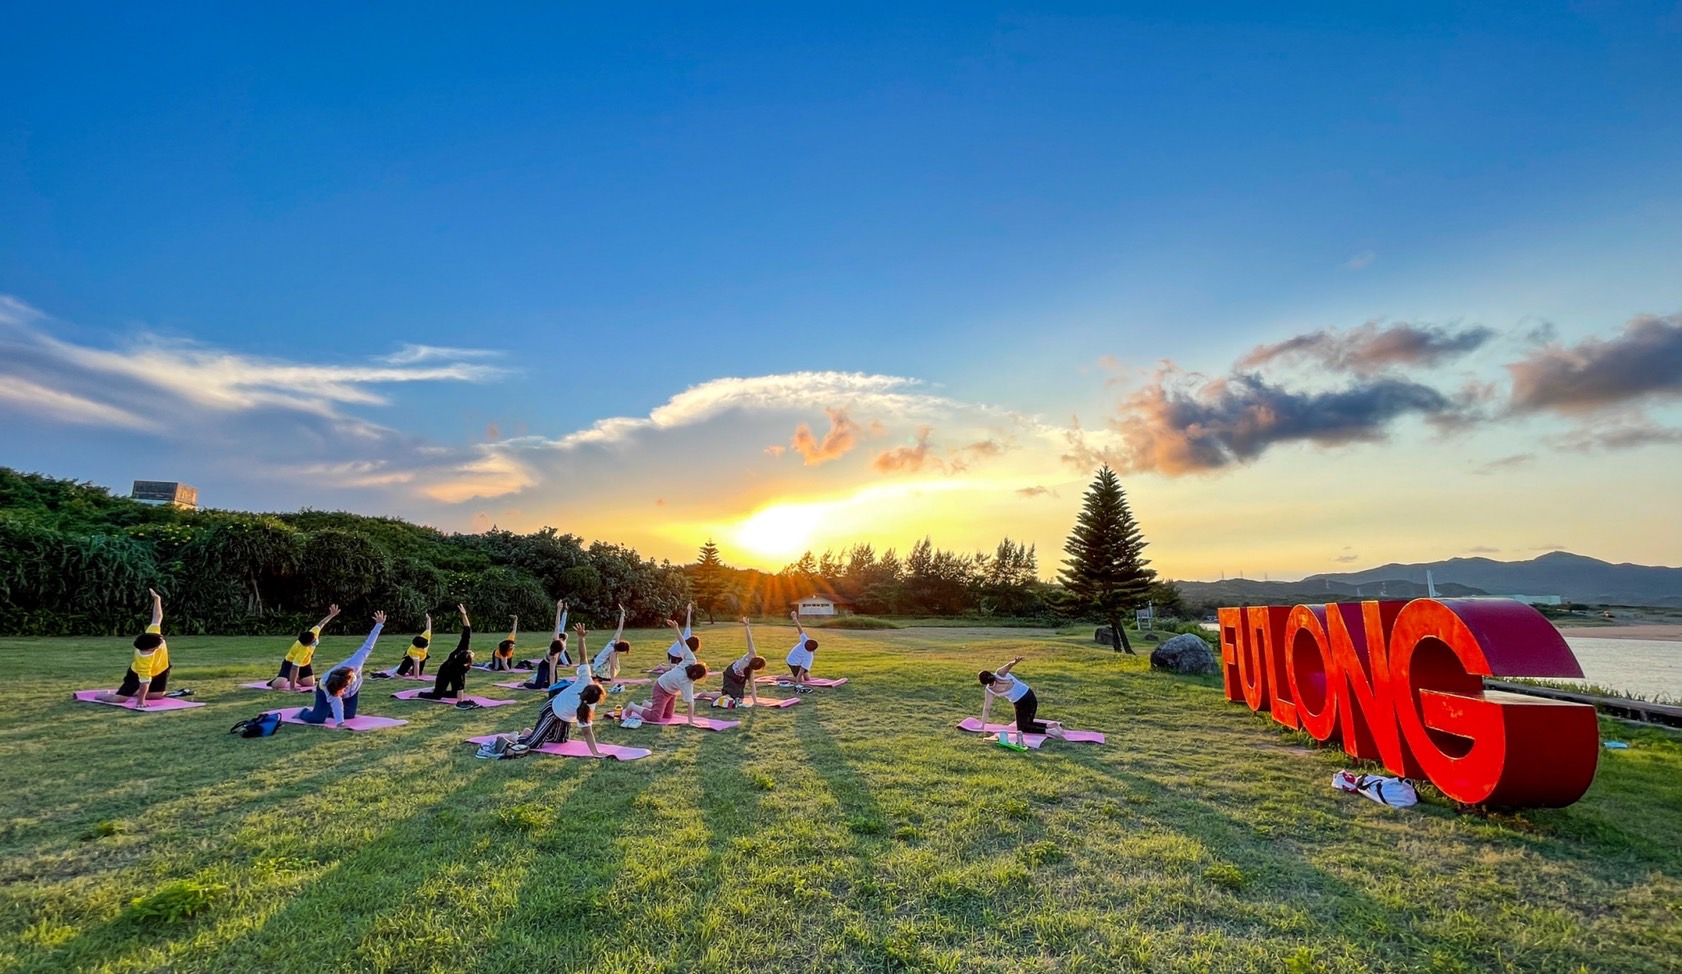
<point x="857" y="831"/>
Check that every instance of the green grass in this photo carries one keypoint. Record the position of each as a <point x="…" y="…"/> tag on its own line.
<point x="855" y="832"/>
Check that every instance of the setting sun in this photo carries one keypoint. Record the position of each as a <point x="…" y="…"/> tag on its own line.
<point x="780" y="532"/>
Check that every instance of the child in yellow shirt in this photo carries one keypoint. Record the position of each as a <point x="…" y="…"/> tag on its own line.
<point x="295" y="670"/>
<point x="148" y="673"/>
<point x="414" y="660"/>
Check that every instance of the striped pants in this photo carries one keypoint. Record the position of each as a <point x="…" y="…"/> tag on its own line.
<point x="548" y="729"/>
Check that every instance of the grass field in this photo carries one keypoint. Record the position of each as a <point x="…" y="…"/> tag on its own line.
<point x="855" y="832"/>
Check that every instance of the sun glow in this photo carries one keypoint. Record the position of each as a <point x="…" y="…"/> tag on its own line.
<point x="781" y="531"/>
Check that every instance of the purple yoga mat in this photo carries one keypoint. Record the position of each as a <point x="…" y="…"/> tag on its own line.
<point x="359" y="723"/>
<point x="579" y="749"/>
<point x="811" y="681"/>
<point x="263" y="685"/>
<point x="973" y="724"/>
<point x="481" y="701"/>
<point x="152" y="704"/>
<point x="516" y="686"/>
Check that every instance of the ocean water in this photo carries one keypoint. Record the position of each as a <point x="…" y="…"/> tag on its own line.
<point x="1650" y="668"/>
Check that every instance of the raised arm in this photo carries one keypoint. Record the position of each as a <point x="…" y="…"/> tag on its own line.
<point x="795" y="615"/>
<point x="466" y="629"/>
<point x="157" y="611"/>
<point x="560" y="617"/>
<point x="361" y="656"/>
<point x="583" y="645"/>
<point x="513" y="628"/>
<point x="689" y="621"/>
<point x="620" y="632"/>
<point x="427" y="635"/>
<point x="332" y="613"/>
<point x="1005" y="669"/>
<point x="753" y="678"/>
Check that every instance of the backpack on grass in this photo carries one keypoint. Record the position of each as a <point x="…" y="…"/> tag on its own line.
<point x="1394" y="792"/>
<point x="261" y="725"/>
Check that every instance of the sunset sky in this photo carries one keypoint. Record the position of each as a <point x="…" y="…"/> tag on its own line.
<point x="1329" y="285"/>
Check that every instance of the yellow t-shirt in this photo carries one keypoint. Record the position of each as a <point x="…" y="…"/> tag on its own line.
<point x="300" y="655"/>
<point x="149" y="664"/>
<point x="509" y="652"/>
<point x="415" y="652"/>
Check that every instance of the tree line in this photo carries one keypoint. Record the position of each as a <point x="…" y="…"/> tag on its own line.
<point x="75" y="559"/>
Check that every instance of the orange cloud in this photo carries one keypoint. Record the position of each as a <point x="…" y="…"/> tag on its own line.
<point x="907" y="458"/>
<point x="842" y="435"/>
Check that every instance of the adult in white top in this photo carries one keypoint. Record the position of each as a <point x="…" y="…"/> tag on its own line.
<point x="668" y="688"/>
<point x="999" y="683"/>
<point x="573" y="706"/>
<point x="799" y="658"/>
<point x="606" y="663"/>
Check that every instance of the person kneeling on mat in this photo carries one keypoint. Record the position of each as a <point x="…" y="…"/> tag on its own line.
<point x="337" y="694"/>
<point x="452" y="673"/>
<point x="605" y="665"/>
<point x="738" y="677"/>
<point x="667" y="689"/>
<point x="799" y="658"/>
<point x="414" y="658"/>
<point x="1001" y="684"/>
<point x="503" y="657"/>
<point x="295" y="670"/>
<point x="148" y="671"/>
<point x="574" y="705"/>
<point x="550" y="665"/>
<point x="682" y="651"/>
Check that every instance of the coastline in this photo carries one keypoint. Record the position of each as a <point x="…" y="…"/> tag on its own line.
<point x="1663" y="632"/>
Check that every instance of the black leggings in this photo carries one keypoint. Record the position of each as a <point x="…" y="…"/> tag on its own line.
<point x="1026" y="708"/>
<point x="407" y="665"/>
<point x="451" y="681"/>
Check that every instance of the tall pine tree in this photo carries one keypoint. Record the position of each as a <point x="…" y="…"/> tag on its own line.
<point x="710" y="581"/>
<point x="1105" y="571"/>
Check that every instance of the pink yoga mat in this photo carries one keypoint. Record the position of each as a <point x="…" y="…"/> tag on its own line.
<point x="1073" y="736"/>
<point x="481" y="701"/>
<point x="811" y="681"/>
<point x="703" y="723"/>
<point x="632" y="681"/>
<point x="152" y="704"/>
<point x="358" y="723"/>
<point x="407" y="676"/>
<point x="579" y="749"/>
<point x="766" y="703"/>
<point x="517" y="686"/>
<point x="263" y="685"/>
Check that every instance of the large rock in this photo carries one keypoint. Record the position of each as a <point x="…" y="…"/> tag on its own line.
<point x="1184" y="653"/>
<point x="1103" y="637"/>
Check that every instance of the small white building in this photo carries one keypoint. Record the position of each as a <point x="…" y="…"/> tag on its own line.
<point x="166" y="492"/>
<point x="818" y="605"/>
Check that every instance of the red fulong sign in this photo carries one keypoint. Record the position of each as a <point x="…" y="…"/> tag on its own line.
<point x="1402" y="683"/>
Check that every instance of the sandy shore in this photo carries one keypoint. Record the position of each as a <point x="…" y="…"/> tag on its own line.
<point x="1662" y="631"/>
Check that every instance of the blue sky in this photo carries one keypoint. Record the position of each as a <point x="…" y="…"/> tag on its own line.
<point x="580" y="212"/>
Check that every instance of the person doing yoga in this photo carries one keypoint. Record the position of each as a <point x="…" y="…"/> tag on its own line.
<point x="414" y="658"/>
<point x="337" y="693"/>
<point x="799" y="658"/>
<point x="999" y="683"/>
<point x="574" y="706"/>
<point x="295" y="670"/>
<point x="682" y="650"/>
<point x="148" y="672"/>
<point x="738" y="677"/>
<point x="503" y="658"/>
<point x="452" y="673"/>
<point x="606" y="663"/>
<point x="550" y="665"/>
<point x="667" y="689"/>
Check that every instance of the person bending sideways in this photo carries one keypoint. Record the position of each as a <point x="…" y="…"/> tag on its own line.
<point x="605" y="665"/>
<point x="295" y="670"/>
<point x="682" y="650"/>
<point x="573" y="707"/>
<point x="337" y="693"/>
<point x="147" y="677"/>
<point x="738" y="677"/>
<point x="503" y="658"/>
<point x="452" y="673"/>
<point x="799" y="658"/>
<point x="550" y="665"/>
<point x="414" y="658"/>
<point x="667" y="689"/>
<point x="999" y="683"/>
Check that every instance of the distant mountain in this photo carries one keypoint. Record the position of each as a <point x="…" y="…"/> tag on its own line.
<point x="1575" y="578"/>
<point x="1243" y="591"/>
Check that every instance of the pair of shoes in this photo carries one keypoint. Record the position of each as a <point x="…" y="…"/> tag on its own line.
<point x="802" y="689"/>
<point x="185" y="692"/>
<point x="381" y="675"/>
<point x="466" y="705"/>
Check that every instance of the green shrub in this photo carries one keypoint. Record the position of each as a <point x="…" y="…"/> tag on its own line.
<point x="852" y="622"/>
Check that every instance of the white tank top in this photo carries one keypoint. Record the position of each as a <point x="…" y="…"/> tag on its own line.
<point x="1017" y="690"/>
